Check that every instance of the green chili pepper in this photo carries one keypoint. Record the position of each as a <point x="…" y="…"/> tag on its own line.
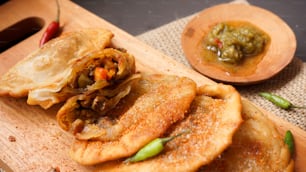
<point x="153" y="148"/>
<point x="289" y="141"/>
<point x="278" y="101"/>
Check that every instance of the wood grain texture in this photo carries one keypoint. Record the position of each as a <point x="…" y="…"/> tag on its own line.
<point x="40" y="144"/>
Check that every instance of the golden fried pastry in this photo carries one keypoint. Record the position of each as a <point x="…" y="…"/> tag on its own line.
<point x="96" y="71"/>
<point x="45" y="72"/>
<point x="153" y="105"/>
<point x="257" y="146"/>
<point x="215" y="115"/>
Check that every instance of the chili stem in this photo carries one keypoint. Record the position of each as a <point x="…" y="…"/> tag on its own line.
<point x="298" y="107"/>
<point x="167" y="139"/>
<point x="58" y="11"/>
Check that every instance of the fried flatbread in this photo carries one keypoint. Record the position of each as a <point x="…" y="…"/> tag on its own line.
<point x="215" y="115"/>
<point x="153" y="105"/>
<point x="50" y="66"/>
<point x="257" y="146"/>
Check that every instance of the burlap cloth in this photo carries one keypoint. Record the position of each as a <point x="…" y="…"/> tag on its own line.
<point x="289" y="83"/>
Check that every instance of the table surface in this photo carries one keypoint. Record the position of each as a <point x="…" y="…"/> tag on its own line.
<point x="136" y="17"/>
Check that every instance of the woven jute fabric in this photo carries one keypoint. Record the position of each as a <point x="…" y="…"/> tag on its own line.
<point x="290" y="83"/>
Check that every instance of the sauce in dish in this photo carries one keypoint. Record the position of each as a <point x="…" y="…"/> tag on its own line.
<point x="235" y="47"/>
<point x="238" y="43"/>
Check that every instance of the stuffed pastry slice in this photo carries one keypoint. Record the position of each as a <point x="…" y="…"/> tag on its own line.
<point x="213" y="118"/>
<point x="154" y="103"/>
<point x="97" y="70"/>
<point x="51" y="65"/>
<point x="83" y="110"/>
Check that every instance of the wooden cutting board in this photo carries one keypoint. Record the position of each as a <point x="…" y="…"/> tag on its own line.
<point x="40" y="144"/>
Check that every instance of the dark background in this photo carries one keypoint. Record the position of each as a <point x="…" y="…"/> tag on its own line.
<point x="139" y="16"/>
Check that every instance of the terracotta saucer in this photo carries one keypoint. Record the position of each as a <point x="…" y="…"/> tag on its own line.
<point x="278" y="55"/>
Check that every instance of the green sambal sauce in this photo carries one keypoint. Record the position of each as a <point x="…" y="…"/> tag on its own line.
<point x="231" y="42"/>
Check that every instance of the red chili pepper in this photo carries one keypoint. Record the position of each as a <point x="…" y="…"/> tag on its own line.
<point x="52" y="29"/>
